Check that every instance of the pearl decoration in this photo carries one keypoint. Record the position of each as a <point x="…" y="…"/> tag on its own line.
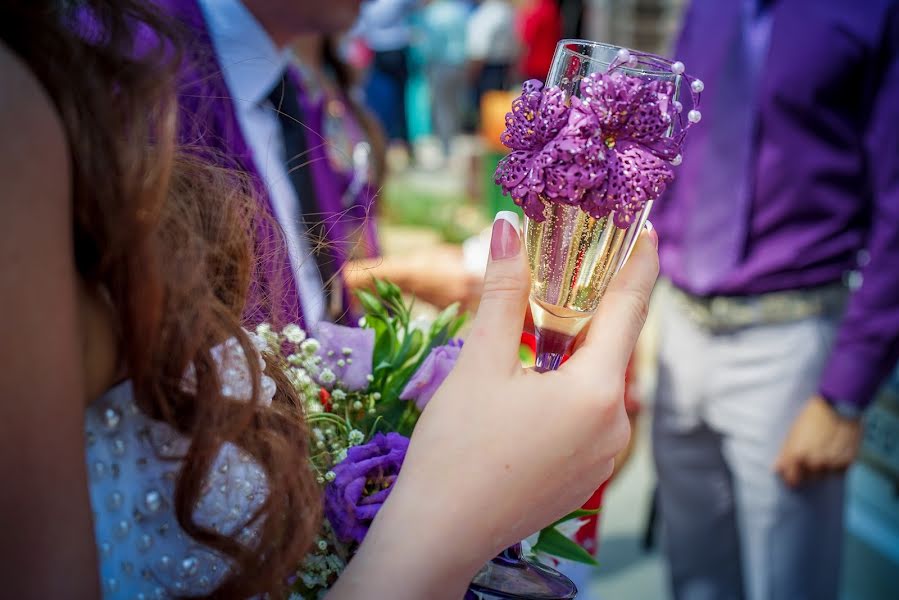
<point x="189" y="566"/>
<point x="118" y="447"/>
<point x="153" y="501"/>
<point x="694" y="116"/>
<point x="624" y="55"/>
<point x="115" y="501"/>
<point x="697" y="85"/>
<point x="678" y="106"/>
<point x="145" y="542"/>
<point x="122" y="528"/>
<point x="677" y="68"/>
<point x="111" y="419"/>
<point x="677" y="160"/>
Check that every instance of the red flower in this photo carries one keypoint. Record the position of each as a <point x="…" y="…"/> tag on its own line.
<point x="325" y="397"/>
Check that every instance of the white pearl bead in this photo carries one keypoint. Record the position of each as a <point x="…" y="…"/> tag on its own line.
<point x="677" y="160"/>
<point x="624" y="55"/>
<point x="678" y="106"/>
<point x="694" y="116"/>
<point x="677" y="68"/>
<point x="697" y="85"/>
<point x="632" y="60"/>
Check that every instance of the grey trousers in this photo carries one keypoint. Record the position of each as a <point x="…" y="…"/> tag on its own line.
<point x="448" y="89"/>
<point x="725" y="402"/>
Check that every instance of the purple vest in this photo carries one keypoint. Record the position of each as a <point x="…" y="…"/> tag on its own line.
<point x="208" y="125"/>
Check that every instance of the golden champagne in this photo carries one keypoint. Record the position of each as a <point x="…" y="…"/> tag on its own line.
<point x="572" y="259"/>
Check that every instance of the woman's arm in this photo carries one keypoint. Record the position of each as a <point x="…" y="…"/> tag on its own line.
<point x="500" y="452"/>
<point x="47" y="544"/>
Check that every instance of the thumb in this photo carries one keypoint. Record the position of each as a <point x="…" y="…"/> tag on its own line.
<point x="496" y="331"/>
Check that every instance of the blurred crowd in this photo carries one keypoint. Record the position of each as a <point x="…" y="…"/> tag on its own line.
<point x="424" y="66"/>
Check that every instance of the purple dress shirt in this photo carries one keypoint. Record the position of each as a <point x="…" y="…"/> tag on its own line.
<point x="822" y="184"/>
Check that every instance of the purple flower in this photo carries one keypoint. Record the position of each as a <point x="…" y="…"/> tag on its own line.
<point x="617" y="132"/>
<point x="362" y="483"/>
<point x="346" y="353"/>
<point x="536" y="118"/>
<point x="610" y="155"/>
<point x="431" y="374"/>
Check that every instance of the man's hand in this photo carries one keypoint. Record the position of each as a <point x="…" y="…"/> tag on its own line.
<point x="440" y="277"/>
<point x="820" y="442"/>
<point x="437" y="276"/>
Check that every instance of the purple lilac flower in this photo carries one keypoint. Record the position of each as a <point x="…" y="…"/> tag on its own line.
<point x="431" y="374"/>
<point x="362" y="483"/>
<point x="536" y="118"/>
<point x="347" y="353"/>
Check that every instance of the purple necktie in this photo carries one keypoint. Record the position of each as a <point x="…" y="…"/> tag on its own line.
<point x="718" y="167"/>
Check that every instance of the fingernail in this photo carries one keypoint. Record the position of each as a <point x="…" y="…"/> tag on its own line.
<point x="505" y="241"/>
<point x="652" y="233"/>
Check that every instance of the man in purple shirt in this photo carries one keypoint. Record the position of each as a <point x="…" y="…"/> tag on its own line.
<point x="781" y="241"/>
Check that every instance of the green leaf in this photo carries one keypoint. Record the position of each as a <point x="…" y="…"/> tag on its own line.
<point x="577" y="514"/>
<point x="409" y="348"/>
<point x="370" y="304"/>
<point x="552" y="542"/>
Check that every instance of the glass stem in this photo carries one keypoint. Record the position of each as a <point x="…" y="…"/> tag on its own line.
<point x="552" y="347"/>
<point x="511" y="555"/>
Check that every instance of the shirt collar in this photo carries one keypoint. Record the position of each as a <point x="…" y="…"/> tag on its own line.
<point x="251" y="62"/>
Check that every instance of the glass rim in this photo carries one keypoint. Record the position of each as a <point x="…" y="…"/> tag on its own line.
<point x="658" y="62"/>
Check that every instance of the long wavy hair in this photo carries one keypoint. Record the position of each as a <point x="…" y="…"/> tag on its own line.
<point x="169" y="238"/>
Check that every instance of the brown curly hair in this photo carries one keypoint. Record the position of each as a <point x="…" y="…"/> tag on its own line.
<point x="170" y="239"/>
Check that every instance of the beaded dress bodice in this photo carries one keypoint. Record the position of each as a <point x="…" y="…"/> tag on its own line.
<point x="133" y="464"/>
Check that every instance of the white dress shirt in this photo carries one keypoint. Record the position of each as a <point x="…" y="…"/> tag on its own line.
<point x="252" y="65"/>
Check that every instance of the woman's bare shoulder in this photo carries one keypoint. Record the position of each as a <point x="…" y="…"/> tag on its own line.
<point x="33" y="149"/>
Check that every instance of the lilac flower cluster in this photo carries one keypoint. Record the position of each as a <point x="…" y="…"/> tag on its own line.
<point x="607" y="151"/>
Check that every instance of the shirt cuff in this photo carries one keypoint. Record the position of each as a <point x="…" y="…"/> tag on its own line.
<point x="851" y="379"/>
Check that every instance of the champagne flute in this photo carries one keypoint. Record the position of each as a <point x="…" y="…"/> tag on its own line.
<point x="572" y="257"/>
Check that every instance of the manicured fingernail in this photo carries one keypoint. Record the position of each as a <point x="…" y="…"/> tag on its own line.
<point x="652" y="233"/>
<point x="505" y="241"/>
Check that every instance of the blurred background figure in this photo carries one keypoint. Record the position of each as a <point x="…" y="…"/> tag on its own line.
<point x="491" y="46"/>
<point x="443" y="25"/>
<point x="767" y="358"/>
<point x="573" y="12"/>
<point x="384" y="26"/>
<point x="355" y="146"/>
<point x="539" y="26"/>
<point x="356" y="162"/>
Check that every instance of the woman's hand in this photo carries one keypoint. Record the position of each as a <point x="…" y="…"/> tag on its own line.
<point x="501" y="452"/>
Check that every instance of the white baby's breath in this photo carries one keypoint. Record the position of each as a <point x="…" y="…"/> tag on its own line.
<point x="294" y="334"/>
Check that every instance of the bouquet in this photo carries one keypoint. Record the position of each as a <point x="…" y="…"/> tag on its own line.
<point x="363" y="390"/>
